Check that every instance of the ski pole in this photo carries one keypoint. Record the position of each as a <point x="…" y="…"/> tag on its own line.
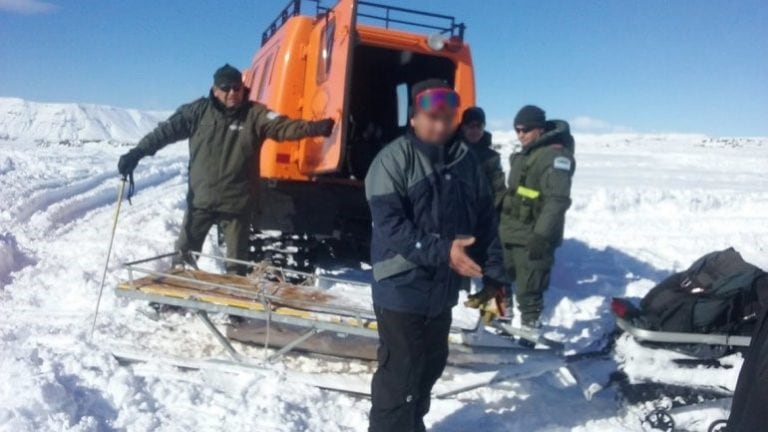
<point x="120" y="192"/>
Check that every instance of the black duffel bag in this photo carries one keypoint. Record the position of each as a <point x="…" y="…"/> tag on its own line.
<point x="719" y="293"/>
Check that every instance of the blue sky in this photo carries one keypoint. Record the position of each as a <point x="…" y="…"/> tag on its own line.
<point x="607" y="65"/>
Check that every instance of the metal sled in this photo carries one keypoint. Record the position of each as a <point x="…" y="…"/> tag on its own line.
<point x="292" y="316"/>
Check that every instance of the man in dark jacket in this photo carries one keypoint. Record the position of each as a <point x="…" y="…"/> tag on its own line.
<point x="225" y="130"/>
<point x="433" y="222"/>
<point x="750" y="399"/>
<point x="534" y="205"/>
<point x="479" y="140"/>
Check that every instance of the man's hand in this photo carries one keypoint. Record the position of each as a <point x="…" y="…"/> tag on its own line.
<point x="321" y="127"/>
<point x="460" y="262"/>
<point x="538" y="247"/>
<point x="129" y="161"/>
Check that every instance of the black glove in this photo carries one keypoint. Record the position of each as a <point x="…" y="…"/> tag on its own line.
<point x="129" y="161"/>
<point x="538" y="247"/>
<point x="321" y="127"/>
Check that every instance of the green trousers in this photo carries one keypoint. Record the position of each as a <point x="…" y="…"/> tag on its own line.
<point x="531" y="280"/>
<point x="197" y="223"/>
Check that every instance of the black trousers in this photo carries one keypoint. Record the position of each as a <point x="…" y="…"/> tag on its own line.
<point x="197" y="223"/>
<point x="413" y="350"/>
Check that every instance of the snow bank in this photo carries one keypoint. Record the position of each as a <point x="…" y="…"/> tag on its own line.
<point x="73" y="124"/>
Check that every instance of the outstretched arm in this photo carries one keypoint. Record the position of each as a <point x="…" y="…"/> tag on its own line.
<point x="177" y="127"/>
<point x="269" y="124"/>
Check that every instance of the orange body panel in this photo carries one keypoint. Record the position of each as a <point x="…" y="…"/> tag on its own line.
<point x="284" y="72"/>
<point x="282" y="91"/>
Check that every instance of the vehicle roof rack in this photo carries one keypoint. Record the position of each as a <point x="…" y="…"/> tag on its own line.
<point x="389" y="15"/>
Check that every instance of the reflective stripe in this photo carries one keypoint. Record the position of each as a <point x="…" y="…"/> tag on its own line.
<point x="527" y="192"/>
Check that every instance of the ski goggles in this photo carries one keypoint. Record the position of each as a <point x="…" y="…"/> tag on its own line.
<point x="437" y="99"/>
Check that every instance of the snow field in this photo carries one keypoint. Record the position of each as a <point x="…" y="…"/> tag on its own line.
<point x="644" y="205"/>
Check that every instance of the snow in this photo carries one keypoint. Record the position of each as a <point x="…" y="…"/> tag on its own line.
<point x="644" y="205"/>
<point x="72" y="124"/>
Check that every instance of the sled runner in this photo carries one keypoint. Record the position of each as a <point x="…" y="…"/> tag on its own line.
<point x="624" y="311"/>
<point x="282" y="316"/>
<point x="712" y="303"/>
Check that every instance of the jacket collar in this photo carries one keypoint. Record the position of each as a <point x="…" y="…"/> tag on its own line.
<point x="228" y="112"/>
<point x="555" y="132"/>
<point x="444" y="155"/>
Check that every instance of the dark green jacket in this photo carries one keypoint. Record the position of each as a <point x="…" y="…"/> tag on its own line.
<point x="222" y="144"/>
<point x="490" y="162"/>
<point x="539" y="188"/>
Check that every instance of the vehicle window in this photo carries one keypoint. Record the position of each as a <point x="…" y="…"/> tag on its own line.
<point x="326" y="51"/>
<point x="402" y="104"/>
<point x="263" y="81"/>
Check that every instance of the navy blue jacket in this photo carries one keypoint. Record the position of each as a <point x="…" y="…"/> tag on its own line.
<point x="422" y="197"/>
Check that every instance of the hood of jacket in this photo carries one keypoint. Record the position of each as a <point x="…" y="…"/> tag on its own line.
<point x="555" y="132"/>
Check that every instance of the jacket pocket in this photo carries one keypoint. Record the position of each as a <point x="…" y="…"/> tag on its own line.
<point x="389" y="267"/>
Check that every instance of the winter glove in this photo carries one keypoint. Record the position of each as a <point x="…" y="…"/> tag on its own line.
<point x="491" y="301"/>
<point x="538" y="247"/>
<point x="129" y="161"/>
<point x="478" y="299"/>
<point x="321" y="127"/>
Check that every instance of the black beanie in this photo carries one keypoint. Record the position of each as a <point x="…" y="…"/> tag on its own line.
<point x="473" y="114"/>
<point x="432" y="83"/>
<point x="227" y="75"/>
<point x="531" y="116"/>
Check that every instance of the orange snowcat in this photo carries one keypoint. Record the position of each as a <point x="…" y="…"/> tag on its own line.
<point x="355" y="62"/>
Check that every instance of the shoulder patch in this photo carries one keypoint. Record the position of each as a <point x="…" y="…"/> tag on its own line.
<point x="562" y="163"/>
<point x="271" y="115"/>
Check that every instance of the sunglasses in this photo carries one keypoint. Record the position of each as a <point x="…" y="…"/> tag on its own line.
<point x="520" y="130"/>
<point x="440" y="99"/>
<point x="474" y="125"/>
<point x="227" y="87"/>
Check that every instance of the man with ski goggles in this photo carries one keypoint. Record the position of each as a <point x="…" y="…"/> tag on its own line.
<point x="434" y="228"/>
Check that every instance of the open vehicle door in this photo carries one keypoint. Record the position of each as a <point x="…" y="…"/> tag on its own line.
<point x="327" y="86"/>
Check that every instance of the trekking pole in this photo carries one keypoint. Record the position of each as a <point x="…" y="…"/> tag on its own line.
<point x="120" y="192"/>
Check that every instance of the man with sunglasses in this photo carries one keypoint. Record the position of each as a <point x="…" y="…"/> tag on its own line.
<point x="434" y="228"/>
<point x="534" y="206"/>
<point x="225" y="132"/>
<point x="480" y="140"/>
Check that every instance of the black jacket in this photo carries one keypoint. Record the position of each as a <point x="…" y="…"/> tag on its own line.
<point x="490" y="162"/>
<point x="422" y="197"/>
<point x="749" y="411"/>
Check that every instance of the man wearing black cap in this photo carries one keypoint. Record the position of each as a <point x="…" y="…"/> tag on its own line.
<point x="434" y="227"/>
<point x="534" y="205"/>
<point x="479" y="140"/>
<point x="225" y="130"/>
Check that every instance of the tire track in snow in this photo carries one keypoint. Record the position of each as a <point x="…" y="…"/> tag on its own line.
<point x="46" y="199"/>
<point x="77" y="207"/>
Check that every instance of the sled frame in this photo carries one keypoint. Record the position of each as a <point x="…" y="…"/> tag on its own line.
<point x="680" y="337"/>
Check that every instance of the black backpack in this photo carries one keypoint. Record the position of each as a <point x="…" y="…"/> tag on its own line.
<point x="719" y="293"/>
